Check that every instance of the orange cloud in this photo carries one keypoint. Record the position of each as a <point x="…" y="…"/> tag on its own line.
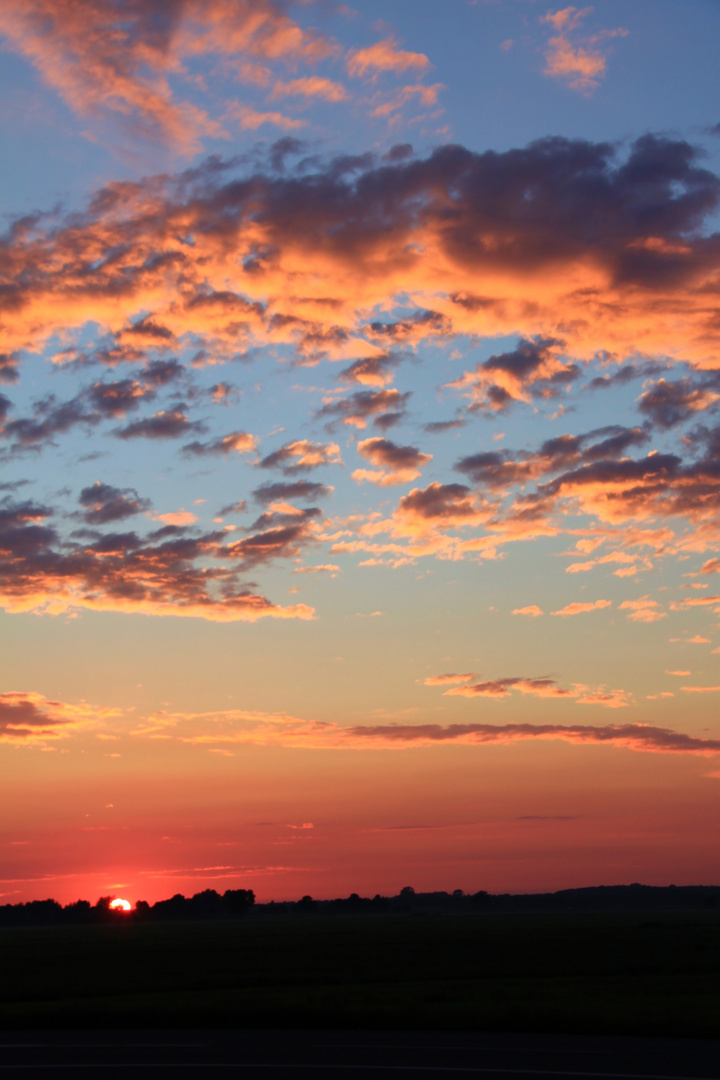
<point x="533" y="611"/>
<point x="282" y="262"/>
<point x="251" y="119"/>
<point x="395" y="464"/>
<point x="449" y="679"/>
<point x="579" y="63"/>
<point x="543" y="687"/>
<point x="642" y="610"/>
<point x="578" y="608"/>
<point x="176" y="517"/>
<point x="111" y="60"/>
<point x="166" y="573"/>
<point x="239" y="726"/>
<point x="302" y="454"/>
<point x="384" y="56"/>
<point x="426" y="95"/>
<point x="494" y="383"/>
<point x="694" y="601"/>
<point x="311" y="86"/>
<point x="28" y="716"/>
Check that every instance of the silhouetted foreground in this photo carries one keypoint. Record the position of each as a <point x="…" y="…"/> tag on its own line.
<point x="236" y="903"/>
<point x="641" y="970"/>
<point x="196" y="1054"/>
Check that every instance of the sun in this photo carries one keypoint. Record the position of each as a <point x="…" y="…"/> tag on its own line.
<point x="120" y="905"/>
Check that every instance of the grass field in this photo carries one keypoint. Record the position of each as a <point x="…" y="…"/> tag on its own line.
<point x="633" y="974"/>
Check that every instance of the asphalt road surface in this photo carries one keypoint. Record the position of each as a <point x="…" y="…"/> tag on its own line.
<point x="349" y="1055"/>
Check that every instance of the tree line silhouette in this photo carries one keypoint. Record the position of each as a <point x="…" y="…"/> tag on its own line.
<point x="209" y="904"/>
<point x="238" y="903"/>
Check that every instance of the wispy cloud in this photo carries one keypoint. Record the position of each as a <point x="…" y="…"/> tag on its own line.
<point x="384" y="56"/>
<point x="578" y="59"/>
<point x="230" y="727"/>
<point x="582" y="607"/>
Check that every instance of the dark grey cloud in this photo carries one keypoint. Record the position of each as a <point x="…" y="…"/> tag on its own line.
<point x="438" y="502"/>
<point x="14" y="485"/>
<point x="238" y="507"/>
<point x="494" y="469"/>
<point x="626" y="374"/>
<point x="283" y="541"/>
<point x="164" y="571"/>
<point x="421" y="324"/>
<point x="283" y="148"/>
<point x="162" y="372"/>
<point x="104" y="503"/>
<point x="439" y="427"/>
<point x="670" y="403"/>
<point x="51" y="418"/>
<point x="390" y="454"/>
<point x="301" y="455"/>
<point x="9" y="365"/>
<point x="372" y="370"/>
<point x="631" y="736"/>
<point x="297" y="489"/>
<point x="239" y="441"/>
<point x="148" y="328"/>
<point x="173" y="424"/>
<point x="359" y="407"/>
<point x="118" y="398"/>
<point x="501" y="469"/>
<point x="279" y="520"/>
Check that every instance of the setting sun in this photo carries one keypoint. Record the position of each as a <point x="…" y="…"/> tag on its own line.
<point x="121" y="905"/>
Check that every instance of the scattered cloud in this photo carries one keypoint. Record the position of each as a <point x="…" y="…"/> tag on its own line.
<point x="579" y="60"/>
<point x="449" y="679"/>
<point x="236" y="726"/>
<point x="164" y="573"/>
<point x="300" y="455"/>
<point x="111" y="62"/>
<point x="252" y="119"/>
<point x="384" y="56"/>
<point x="293" y="489"/>
<point x="642" y="610"/>
<point x="543" y="687"/>
<point x="580" y="608"/>
<point x="104" y="503"/>
<point x="238" y="441"/>
<point x="393" y="464"/>
<point x="311" y="86"/>
<point x="28" y="716"/>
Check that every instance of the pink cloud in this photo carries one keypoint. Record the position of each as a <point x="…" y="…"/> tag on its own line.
<point x="384" y="56"/>
<point x="108" y="59"/>
<point x="579" y="608"/>
<point x="581" y="62"/>
<point x="251" y="119"/>
<point x="311" y="86"/>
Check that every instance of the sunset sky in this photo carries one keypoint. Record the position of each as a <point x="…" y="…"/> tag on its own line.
<point x="360" y="446"/>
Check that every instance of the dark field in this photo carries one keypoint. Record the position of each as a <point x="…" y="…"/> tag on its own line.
<point x="608" y="973"/>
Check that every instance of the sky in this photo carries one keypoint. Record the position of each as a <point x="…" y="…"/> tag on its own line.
<point x="359" y="446"/>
